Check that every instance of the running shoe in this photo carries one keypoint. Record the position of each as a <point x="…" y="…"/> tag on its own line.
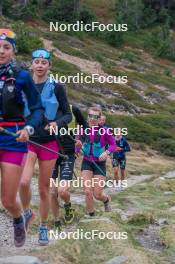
<point x="69" y="214"/>
<point x="19" y="233"/>
<point x="107" y="205"/>
<point x="43" y="235"/>
<point x="58" y="226"/>
<point x="29" y="217"/>
<point x="88" y="216"/>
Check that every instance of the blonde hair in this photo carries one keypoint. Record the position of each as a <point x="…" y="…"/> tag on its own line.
<point x="96" y="109"/>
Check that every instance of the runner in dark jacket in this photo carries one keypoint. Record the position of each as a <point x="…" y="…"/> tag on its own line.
<point x="66" y="168"/>
<point x="119" y="160"/>
<point x="15" y="85"/>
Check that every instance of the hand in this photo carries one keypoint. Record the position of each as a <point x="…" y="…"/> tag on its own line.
<point x="23" y="135"/>
<point x="52" y="125"/>
<point x="78" y="144"/>
<point x="103" y="156"/>
<point x="118" y="149"/>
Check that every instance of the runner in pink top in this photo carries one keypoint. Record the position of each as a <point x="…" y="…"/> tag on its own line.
<point x="95" y="149"/>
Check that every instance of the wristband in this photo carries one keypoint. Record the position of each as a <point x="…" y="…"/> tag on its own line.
<point x="30" y="130"/>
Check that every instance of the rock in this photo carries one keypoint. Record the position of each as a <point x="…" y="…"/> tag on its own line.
<point x="155" y="96"/>
<point x="118" y="260"/>
<point x="172" y="209"/>
<point x="103" y="219"/>
<point x="139" y="85"/>
<point x="124" y="216"/>
<point x="170" y="175"/>
<point x="20" y="260"/>
<point x="125" y="62"/>
<point x="168" y="193"/>
<point x="162" y="221"/>
<point x="171" y="123"/>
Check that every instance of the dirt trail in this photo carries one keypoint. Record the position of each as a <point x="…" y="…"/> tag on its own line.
<point x="86" y="66"/>
<point x="6" y="239"/>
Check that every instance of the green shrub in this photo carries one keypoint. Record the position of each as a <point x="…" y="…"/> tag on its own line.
<point x="87" y="15"/>
<point x="61" y="11"/>
<point x="27" y="40"/>
<point x="166" y="146"/>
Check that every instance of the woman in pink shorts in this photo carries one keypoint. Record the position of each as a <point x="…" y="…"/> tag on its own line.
<point x="57" y="113"/>
<point x="14" y="84"/>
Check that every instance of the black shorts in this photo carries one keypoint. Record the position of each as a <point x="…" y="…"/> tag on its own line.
<point x="88" y="165"/>
<point x="66" y="168"/>
<point x="119" y="162"/>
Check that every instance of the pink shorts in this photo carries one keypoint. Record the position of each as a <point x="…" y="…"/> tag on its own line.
<point x="43" y="154"/>
<point x="13" y="157"/>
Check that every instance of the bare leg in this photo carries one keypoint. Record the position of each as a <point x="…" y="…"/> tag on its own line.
<point x="54" y="203"/>
<point x="10" y="180"/>
<point x="46" y="168"/>
<point x="25" y="190"/>
<point x="64" y="191"/>
<point x="88" y="189"/>
<point x="98" y="188"/>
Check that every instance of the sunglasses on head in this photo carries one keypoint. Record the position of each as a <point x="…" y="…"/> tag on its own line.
<point x="41" y="53"/>
<point x="95" y="117"/>
<point x="6" y="33"/>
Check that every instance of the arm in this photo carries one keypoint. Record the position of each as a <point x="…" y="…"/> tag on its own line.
<point x="111" y="143"/>
<point x="79" y="117"/>
<point x="34" y="101"/>
<point x="64" y="114"/>
<point x="126" y="146"/>
<point x="110" y="140"/>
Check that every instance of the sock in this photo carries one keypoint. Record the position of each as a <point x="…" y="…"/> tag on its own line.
<point x="43" y="223"/>
<point x="92" y="214"/>
<point x="18" y="220"/>
<point x="58" y="222"/>
<point x="67" y="205"/>
<point x="56" y="219"/>
<point x="107" y="200"/>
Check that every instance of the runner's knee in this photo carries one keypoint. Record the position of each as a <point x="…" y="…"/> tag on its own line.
<point x="62" y="191"/>
<point x="98" y="195"/>
<point x="43" y="193"/>
<point x="25" y="184"/>
<point x="8" y="203"/>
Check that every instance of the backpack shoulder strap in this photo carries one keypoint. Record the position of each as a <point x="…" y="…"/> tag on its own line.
<point x="97" y="137"/>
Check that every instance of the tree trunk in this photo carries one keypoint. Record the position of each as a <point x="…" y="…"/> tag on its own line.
<point x="76" y="6"/>
<point x="23" y="3"/>
<point x="0" y="9"/>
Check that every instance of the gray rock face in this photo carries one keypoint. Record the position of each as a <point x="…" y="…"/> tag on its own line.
<point x="162" y="221"/>
<point x="168" y="193"/>
<point x="172" y="209"/>
<point x="118" y="260"/>
<point x="20" y="260"/>
<point x="102" y="219"/>
<point x="139" y="86"/>
<point x="170" y="175"/>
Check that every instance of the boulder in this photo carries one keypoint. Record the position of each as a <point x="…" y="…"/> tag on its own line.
<point x="118" y="260"/>
<point x="20" y="260"/>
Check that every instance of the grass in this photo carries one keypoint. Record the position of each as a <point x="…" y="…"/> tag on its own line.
<point x="152" y="205"/>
